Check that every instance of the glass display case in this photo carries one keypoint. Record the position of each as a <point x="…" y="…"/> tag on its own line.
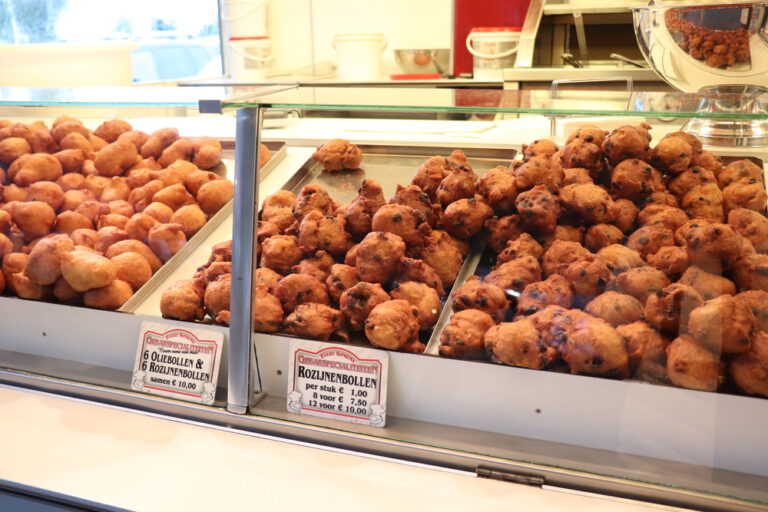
<point x="573" y="421"/>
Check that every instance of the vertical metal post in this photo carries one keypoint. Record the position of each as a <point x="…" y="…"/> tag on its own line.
<point x="245" y="223"/>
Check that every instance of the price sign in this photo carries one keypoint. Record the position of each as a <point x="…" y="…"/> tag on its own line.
<point x="178" y="362"/>
<point x="338" y="381"/>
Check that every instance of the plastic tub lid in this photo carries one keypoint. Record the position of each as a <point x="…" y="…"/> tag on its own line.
<point x="247" y="38"/>
<point x="496" y="29"/>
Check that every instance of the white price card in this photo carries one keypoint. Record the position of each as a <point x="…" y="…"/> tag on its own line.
<point x="178" y="362"/>
<point x="341" y="382"/>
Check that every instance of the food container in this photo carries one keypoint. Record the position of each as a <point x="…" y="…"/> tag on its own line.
<point x="359" y="55"/>
<point x="493" y="49"/>
<point x="249" y="57"/>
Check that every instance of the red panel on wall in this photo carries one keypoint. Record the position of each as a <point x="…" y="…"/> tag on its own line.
<point x="481" y="13"/>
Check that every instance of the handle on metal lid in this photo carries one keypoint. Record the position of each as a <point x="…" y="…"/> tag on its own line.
<point x="476" y="53"/>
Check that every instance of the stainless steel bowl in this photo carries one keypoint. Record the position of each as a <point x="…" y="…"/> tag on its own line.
<point x="423" y="61"/>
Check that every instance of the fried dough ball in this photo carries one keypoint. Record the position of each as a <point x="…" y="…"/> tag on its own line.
<point x="662" y="215"/>
<point x="267" y="310"/>
<point x="206" y="152"/>
<point x="707" y="160"/>
<point x="498" y="231"/>
<point x="112" y="219"/>
<point x="465" y="218"/>
<point x="588" y="133"/>
<point x="457" y="184"/>
<point x="417" y="199"/>
<point x="403" y="221"/>
<point x="133" y="268"/>
<point x="647" y="240"/>
<point x="723" y="325"/>
<point x="634" y="179"/>
<point x="646" y="349"/>
<point x="115" y="158"/>
<point x="539" y="170"/>
<point x="602" y="235"/>
<point x="313" y="197"/>
<point x="523" y="245"/>
<point x="555" y="290"/>
<point x="41" y="141"/>
<point x="423" y="297"/>
<point x="538" y="209"/>
<point x="111" y="297"/>
<point x="745" y="193"/>
<point x="262" y="276"/>
<point x="540" y="147"/>
<point x="161" y="212"/>
<point x="624" y="214"/>
<point x="672" y="260"/>
<point x="318" y="231"/>
<point x="280" y="253"/>
<point x="65" y="294"/>
<point x="661" y="197"/>
<point x="713" y="247"/>
<point x="642" y="282"/>
<point x="749" y="370"/>
<point x="477" y="294"/>
<point x="737" y="170"/>
<point x="6" y="246"/>
<point x="751" y="225"/>
<point x="86" y="270"/>
<point x="588" y="276"/>
<point x="378" y="256"/>
<point x="217" y="295"/>
<point x="338" y="154"/>
<point x="176" y="196"/>
<point x="111" y="129"/>
<point x="357" y="301"/>
<point x="515" y="275"/>
<point x="757" y="300"/>
<point x="116" y="190"/>
<point x="340" y="278"/>
<point x="28" y="169"/>
<point x="138" y="226"/>
<point x="689" y="365"/>
<point x="127" y="245"/>
<point x="318" y="266"/>
<point x="47" y="192"/>
<point x="84" y="236"/>
<point x="392" y="325"/>
<point x="672" y="154"/>
<point x="180" y="149"/>
<point x="708" y="285"/>
<point x="73" y="198"/>
<point x="70" y="181"/>
<point x="669" y="310"/>
<point x="581" y="153"/>
<point x="429" y="175"/>
<point x="498" y="188"/>
<point x="281" y="216"/>
<point x="593" y="347"/>
<point x="141" y="197"/>
<point x="462" y="337"/>
<point x="704" y="202"/>
<point x="576" y="175"/>
<point x="518" y="344"/>
<point x="627" y="142"/>
<point x="689" y="178"/>
<point x="137" y="137"/>
<point x="120" y="207"/>
<point x="295" y="289"/>
<point x="34" y="219"/>
<point x="26" y="289"/>
<point x="75" y="140"/>
<point x="615" y="308"/>
<point x="213" y="195"/>
<point x="317" y="321"/>
<point x="158" y="141"/>
<point x="410" y="269"/>
<point x="12" y="148"/>
<point x="359" y="213"/>
<point x="165" y="240"/>
<point x="44" y="263"/>
<point x="562" y="232"/>
<point x="588" y="201"/>
<point x="751" y="273"/>
<point x="279" y="198"/>
<point x="560" y="255"/>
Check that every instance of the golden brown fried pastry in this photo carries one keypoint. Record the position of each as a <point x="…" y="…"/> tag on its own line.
<point x="12" y="148"/>
<point x="267" y="310"/>
<point x="338" y="154"/>
<point x="211" y="270"/>
<point x="634" y="179"/>
<point x="313" y="197"/>
<point x="627" y="142"/>
<point x="180" y="149"/>
<point x="137" y="137"/>
<point x="280" y="253"/>
<point x="581" y="153"/>
<point x="498" y="231"/>
<point x="13" y="193"/>
<point x="540" y="147"/>
<point x="70" y="181"/>
<point x="111" y="129"/>
<point x="392" y="325"/>
<point x="6" y="246"/>
<point x="752" y="226"/>
<point x="411" y="269"/>
<point x="45" y="259"/>
<point x="357" y="302"/>
<point x="498" y="188"/>
<point x="663" y="215"/>
<point x="555" y="290"/>
<point x="477" y="294"/>
<point x="672" y="154"/>
<point x="554" y="322"/>
<point x="518" y="344"/>
<point x="602" y="235"/>
<point x="136" y="178"/>
<point x="30" y="168"/>
<point x="751" y="273"/>
<point x="115" y="158"/>
<point x="649" y="239"/>
<point x="708" y="285"/>
<point x="515" y="275"/>
<point x="66" y="294"/>
<point x="280" y="198"/>
<point x="624" y="214"/>
<point x="174" y="196"/>
<point x="318" y="231"/>
<point x="462" y="337"/>
<point x="47" y="192"/>
<point x="429" y="175"/>
<point x="217" y="295"/>
<point x="34" y="219"/>
<point x="196" y="179"/>
<point x="13" y="263"/>
<point x="403" y="221"/>
<point x="561" y="254"/>
<point x="112" y="296"/>
<point x="588" y="276"/>
<point x="539" y="170"/>
<point x="749" y="370"/>
<point x="738" y="170"/>
<point x="708" y="160"/>
<point x="593" y="347"/>
<point x="723" y="325"/>
<point x="523" y="245"/>
<point x="757" y="300"/>
<point x="587" y="201"/>
<point x="588" y="133"/>
<point x="641" y="282"/>
<point x="158" y="141"/>
<point x="206" y="152"/>
<point x="281" y="216"/>
<point x="165" y="240"/>
<point x="140" y="197"/>
<point x="85" y="270"/>
<point x="689" y="365"/>
<point x="672" y="260"/>
<point x="84" y="236"/>
<point x="295" y="289"/>
<point x="138" y="226"/>
<point x="576" y="175"/>
<point x="466" y="217"/>
<point x="116" y="190"/>
<point x="689" y="178"/>
<point x="457" y="184"/>
<point x="745" y="193"/>
<point x="26" y="289"/>
<point x="360" y="211"/>
<point x="378" y="256"/>
<point x="713" y="247"/>
<point x="424" y="298"/>
<point x="318" y="265"/>
<point x="340" y="278"/>
<point x="190" y="217"/>
<point x="133" y="268"/>
<point x="267" y="277"/>
<point x="317" y="321"/>
<point x="213" y="195"/>
<point x="564" y="232"/>
<point x="120" y="207"/>
<point x="669" y="310"/>
<point x="112" y="219"/>
<point x="417" y="199"/>
<point x="538" y="209"/>
<point x="126" y="245"/>
<point x="646" y="349"/>
<point x="615" y="308"/>
<point x="704" y="202"/>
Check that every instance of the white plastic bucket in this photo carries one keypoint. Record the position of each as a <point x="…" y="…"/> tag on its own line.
<point x="492" y="49"/>
<point x="359" y="56"/>
<point x="245" y="18"/>
<point x="249" y="58"/>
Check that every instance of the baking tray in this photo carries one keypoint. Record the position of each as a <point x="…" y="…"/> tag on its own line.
<point x="225" y="169"/>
